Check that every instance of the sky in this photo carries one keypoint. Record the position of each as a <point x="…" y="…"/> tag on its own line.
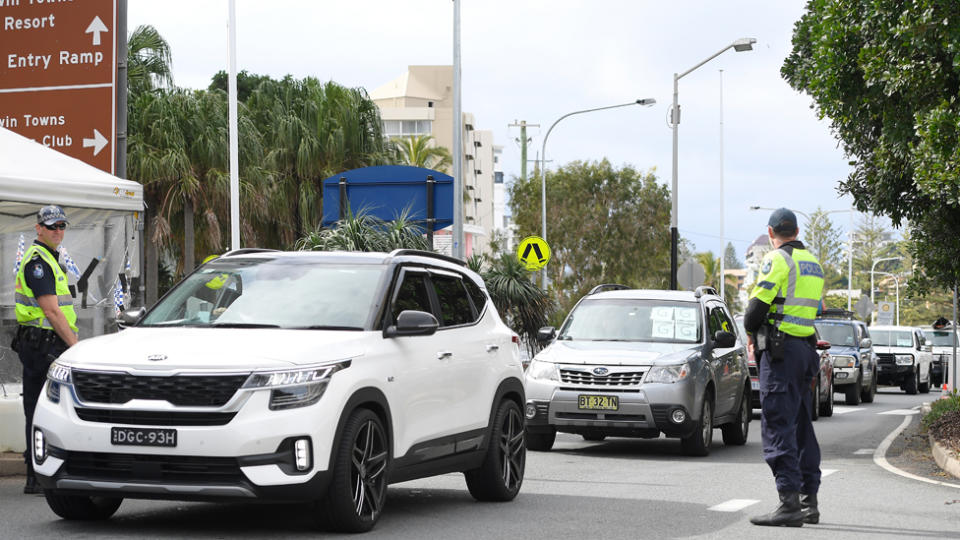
<point x="537" y="60"/>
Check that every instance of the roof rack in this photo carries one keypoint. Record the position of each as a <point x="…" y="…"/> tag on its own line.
<point x="836" y="313"/>
<point x="247" y="251"/>
<point x="431" y="254"/>
<point x="704" y="289"/>
<point x="608" y="287"/>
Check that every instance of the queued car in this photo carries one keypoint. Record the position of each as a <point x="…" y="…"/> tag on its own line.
<point x="903" y="358"/>
<point x="939" y="337"/>
<point x="289" y="376"/>
<point x="638" y="363"/>
<point x="822" y="386"/>
<point x="854" y="362"/>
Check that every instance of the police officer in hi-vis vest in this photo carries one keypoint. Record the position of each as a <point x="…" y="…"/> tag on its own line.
<point x="48" y="322"/>
<point x="779" y="323"/>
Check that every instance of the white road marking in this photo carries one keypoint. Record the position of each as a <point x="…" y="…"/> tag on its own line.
<point x="827" y="472"/>
<point x="863" y="452"/>
<point x="880" y="456"/>
<point x="839" y="409"/>
<point x="733" y="505"/>
<point x="901" y="412"/>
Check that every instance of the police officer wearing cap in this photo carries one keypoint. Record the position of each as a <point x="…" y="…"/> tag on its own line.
<point x="45" y="314"/>
<point x="779" y="323"/>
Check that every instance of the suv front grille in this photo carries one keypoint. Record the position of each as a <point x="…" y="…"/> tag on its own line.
<point x="141" y="467"/>
<point x="155" y="418"/>
<point x="181" y="390"/>
<point x="626" y="378"/>
<point x="885" y="359"/>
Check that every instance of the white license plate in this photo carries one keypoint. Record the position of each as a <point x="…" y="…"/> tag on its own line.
<point x="754" y="385"/>
<point x="143" y="437"/>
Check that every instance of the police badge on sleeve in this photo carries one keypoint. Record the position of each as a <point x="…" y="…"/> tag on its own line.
<point x="767" y="266"/>
<point x="38" y="271"/>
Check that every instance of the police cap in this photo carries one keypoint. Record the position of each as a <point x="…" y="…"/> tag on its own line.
<point x="48" y="215"/>
<point x="783" y="221"/>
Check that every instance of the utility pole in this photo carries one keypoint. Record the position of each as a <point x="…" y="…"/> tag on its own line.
<point x="523" y="125"/>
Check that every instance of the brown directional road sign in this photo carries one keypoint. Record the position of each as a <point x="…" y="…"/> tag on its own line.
<point x="58" y="74"/>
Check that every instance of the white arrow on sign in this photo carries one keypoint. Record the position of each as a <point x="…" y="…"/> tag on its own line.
<point x="96" y="26"/>
<point x="97" y="142"/>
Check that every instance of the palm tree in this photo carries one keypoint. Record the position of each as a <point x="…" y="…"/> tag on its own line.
<point x="365" y="232"/>
<point x="419" y="151"/>
<point x="311" y="131"/>
<point x="524" y="306"/>
<point x="148" y="61"/>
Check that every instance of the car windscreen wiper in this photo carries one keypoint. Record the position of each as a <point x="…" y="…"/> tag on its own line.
<point x="325" y="327"/>
<point x="244" y="325"/>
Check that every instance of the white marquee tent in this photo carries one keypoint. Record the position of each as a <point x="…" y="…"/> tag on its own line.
<point x="103" y="239"/>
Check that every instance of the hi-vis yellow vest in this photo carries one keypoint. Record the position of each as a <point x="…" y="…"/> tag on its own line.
<point x="29" y="312"/>
<point x="792" y="284"/>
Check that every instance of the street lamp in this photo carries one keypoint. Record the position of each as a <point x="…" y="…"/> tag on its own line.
<point x="897" y="282"/>
<point x="648" y="102"/>
<point x="810" y="224"/>
<point x="874" y="265"/>
<point x="743" y="44"/>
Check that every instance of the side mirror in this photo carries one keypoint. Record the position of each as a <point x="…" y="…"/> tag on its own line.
<point x="547" y="333"/>
<point x="724" y="340"/>
<point x="927" y="348"/>
<point x="866" y="343"/>
<point x="130" y="317"/>
<point x="822" y="345"/>
<point x="412" y="323"/>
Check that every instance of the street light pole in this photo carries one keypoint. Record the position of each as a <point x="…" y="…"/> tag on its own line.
<point x="742" y="44"/>
<point x="648" y="102"/>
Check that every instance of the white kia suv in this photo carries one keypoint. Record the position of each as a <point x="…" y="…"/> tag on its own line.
<point x="304" y="376"/>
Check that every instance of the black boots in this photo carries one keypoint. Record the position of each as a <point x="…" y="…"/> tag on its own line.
<point x="808" y="506"/>
<point x="31" y="487"/>
<point x="787" y="514"/>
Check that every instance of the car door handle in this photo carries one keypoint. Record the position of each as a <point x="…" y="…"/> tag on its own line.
<point x="493" y="347"/>
<point x="443" y="355"/>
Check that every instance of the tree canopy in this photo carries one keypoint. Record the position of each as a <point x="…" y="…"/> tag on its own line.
<point x="603" y="225"/>
<point x="886" y="73"/>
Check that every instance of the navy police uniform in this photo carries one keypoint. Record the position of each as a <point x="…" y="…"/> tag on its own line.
<point x="783" y="306"/>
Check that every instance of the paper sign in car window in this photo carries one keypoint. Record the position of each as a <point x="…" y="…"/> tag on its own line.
<point x="686" y="331"/>
<point x="662" y="330"/>
<point x="661" y="313"/>
<point x="685" y="314"/>
<point x="904" y="342"/>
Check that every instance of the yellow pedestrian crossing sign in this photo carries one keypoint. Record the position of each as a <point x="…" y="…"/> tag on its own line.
<point x="533" y="253"/>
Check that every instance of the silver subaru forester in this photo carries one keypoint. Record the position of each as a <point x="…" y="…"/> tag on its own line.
<point x="638" y="363"/>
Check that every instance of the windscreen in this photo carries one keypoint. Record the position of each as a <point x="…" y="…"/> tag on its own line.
<point x="837" y="333"/>
<point x="280" y="293"/>
<point x="940" y="338"/>
<point x="892" y="338"/>
<point x="633" y="320"/>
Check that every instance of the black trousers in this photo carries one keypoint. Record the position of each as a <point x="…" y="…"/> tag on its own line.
<point x="36" y="357"/>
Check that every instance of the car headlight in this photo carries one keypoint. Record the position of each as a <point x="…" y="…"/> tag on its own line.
<point x="667" y="374"/>
<point x="904" y="359"/>
<point x="59" y="373"/>
<point x="294" y="388"/>
<point x="842" y="361"/>
<point x="546" y="371"/>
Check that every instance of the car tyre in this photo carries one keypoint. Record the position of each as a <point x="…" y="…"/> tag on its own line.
<point x="910" y="385"/>
<point x="81" y="507"/>
<point x="541" y="441"/>
<point x="698" y="443"/>
<point x="871" y="391"/>
<point x="593" y="437"/>
<point x="853" y="391"/>
<point x="736" y="432"/>
<point x="815" y="402"/>
<point x="358" y="489"/>
<point x="925" y="387"/>
<point x="826" y="408"/>
<point x="500" y="475"/>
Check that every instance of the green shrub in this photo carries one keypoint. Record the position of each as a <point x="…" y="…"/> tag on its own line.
<point x="940" y="407"/>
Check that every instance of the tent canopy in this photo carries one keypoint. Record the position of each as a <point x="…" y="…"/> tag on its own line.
<point x="33" y="173"/>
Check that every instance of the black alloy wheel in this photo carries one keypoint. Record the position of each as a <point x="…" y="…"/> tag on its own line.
<point x="500" y="475"/>
<point x="358" y="490"/>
